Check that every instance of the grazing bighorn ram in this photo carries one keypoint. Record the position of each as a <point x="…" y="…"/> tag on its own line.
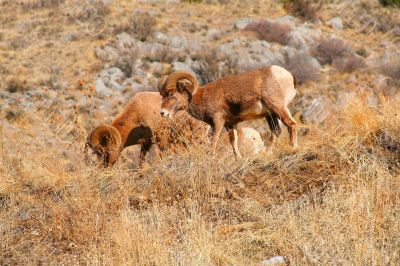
<point x="134" y="125"/>
<point x="264" y="92"/>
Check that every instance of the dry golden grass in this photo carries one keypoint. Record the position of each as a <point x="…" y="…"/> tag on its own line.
<point x="334" y="201"/>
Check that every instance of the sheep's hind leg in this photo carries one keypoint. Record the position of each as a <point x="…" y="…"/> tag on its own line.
<point x="233" y="137"/>
<point x="290" y="123"/>
<point x="273" y="123"/>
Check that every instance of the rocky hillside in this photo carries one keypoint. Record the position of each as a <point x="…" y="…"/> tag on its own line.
<point x="69" y="65"/>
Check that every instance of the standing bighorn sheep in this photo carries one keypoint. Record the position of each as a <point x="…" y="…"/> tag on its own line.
<point x="264" y="92"/>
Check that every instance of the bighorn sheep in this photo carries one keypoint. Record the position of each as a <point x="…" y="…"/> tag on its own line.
<point x="134" y="125"/>
<point x="264" y="92"/>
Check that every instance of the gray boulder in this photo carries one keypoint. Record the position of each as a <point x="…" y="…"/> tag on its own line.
<point x="241" y="24"/>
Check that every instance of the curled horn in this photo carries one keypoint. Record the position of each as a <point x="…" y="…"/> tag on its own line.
<point x="105" y="141"/>
<point x="162" y="81"/>
<point x="171" y="82"/>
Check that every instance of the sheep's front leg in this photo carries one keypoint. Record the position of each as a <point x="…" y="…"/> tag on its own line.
<point x="233" y="137"/>
<point x="217" y="129"/>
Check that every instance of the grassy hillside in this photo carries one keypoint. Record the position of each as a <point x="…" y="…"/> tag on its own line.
<point x="334" y="201"/>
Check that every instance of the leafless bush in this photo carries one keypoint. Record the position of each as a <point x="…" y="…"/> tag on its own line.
<point x="303" y="66"/>
<point x="125" y="62"/>
<point x="90" y="10"/>
<point x="14" y="115"/>
<point x="209" y="68"/>
<point x="29" y="4"/>
<point x="301" y="8"/>
<point x="349" y="64"/>
<point x="392" y="69"/>
<point x="16" y="85"/>
<point x="271" y="31"/>
<point x="335" y="51"/>
<point x="18" y="42"/>
<point x="142" y="25"/>
<point x="166" y="55"/>
<point x="330" y="48"/>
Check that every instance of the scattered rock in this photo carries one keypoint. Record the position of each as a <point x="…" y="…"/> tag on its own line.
<point x="109" y="80"/>
<point x="107" y="53"/>
<point x="250" y="141"/>
<point x="182" y="66"/>
<point x="316" y="112"/>
<point x="336" y="23"/>
<point x="278" y="260"/>
<point x="243" y="23"/>
<point x="214" y="34"/>
<point x="289" y="20"/>
<point x="70" y="37"/>
<point x="161" y="38"/>
<point x="124" y="40"/>
<point x="178" y="42"/>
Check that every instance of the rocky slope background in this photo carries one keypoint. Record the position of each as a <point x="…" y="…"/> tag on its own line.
<point x="68" y="65"/>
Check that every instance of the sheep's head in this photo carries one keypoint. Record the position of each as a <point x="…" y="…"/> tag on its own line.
<point x="176" y="90"/>
<point x="105" y="141"/>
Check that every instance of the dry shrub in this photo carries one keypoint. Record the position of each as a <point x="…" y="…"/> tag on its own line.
<point x="303" y="66"/>
<point x="89" y="11"/>
<point x="142" y="25"/>
<point x="126" y="60"/>
<point x="335" y="51"/>
<point x="301" y="8"/>
<point x="29" y="4"/>
<point x="327" y="49"/>
<point x="271" y="31"/>
<point x="16" y="85"/>
<point x="392" y="69"/>
<point x="181" y="132"/>
<point x="14" y="115"/>
<point x="18" y="42"/>
<point x="349" y="64"/>
<point x="209" y="67"/>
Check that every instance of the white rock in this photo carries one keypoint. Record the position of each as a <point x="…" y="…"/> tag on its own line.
<point x="182" y="66"/>
<point x="243" y="23"/>
<point x="273" y="261"/>
<point x="214" y="34"/>
<point x="179" y="42"/>
<point x="336" y="23"/>
<point x="289" y="20"/>
<point x="250" y="141"/>
<point x="124" y="40"/>
<point x="161" y="37"/>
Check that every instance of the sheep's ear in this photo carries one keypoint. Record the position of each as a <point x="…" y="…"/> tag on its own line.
<point x="185" y="85"/>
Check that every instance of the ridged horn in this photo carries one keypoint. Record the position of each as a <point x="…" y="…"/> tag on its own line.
<point x="105" y="137"/>
<point x="162" y="81"/>
<point x="174" y="77"/>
